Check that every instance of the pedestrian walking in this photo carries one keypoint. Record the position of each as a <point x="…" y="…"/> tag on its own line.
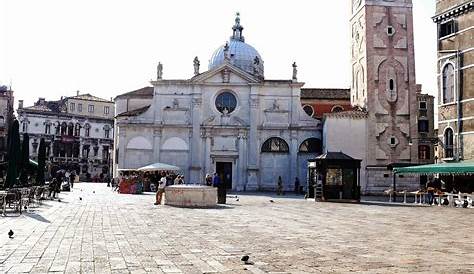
<point x="161" y="190"/>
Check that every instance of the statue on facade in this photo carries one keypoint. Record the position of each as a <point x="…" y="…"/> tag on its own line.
<point x="159" y="71"/>
<point x="295" y="71"/>
<point x="275" y="105"/>
<point x="196" y="65"/>
<point x="226" y="51"/>
<point x="256" y="63"/>
<point x="175" y="103"/>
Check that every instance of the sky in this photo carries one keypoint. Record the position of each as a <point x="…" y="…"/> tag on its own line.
<point x="52" y="48"/>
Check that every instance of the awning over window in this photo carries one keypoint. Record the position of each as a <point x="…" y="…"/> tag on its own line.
<point x="457" y="168"/>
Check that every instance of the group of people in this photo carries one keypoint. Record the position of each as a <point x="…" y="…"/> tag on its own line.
<point x="214" y="180"/>
<point x="58" y="179"/>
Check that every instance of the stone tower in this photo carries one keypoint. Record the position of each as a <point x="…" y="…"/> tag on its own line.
<point x="383" y="73"/>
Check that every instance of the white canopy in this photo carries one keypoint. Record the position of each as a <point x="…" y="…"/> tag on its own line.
<point x="159" y="167"/>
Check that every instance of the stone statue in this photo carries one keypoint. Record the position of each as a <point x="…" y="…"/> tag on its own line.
<point x="159" y="71"/>
<point x="275" y="106"/>
<point x="295" y="71"/>
<point x="226" y="51"/>
<point x="175" y="104"/>
<point x="196" y="65"/>
<point x="256" y="62"/>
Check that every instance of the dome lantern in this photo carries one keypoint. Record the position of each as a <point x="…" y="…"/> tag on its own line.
<point x="238" y="53"/>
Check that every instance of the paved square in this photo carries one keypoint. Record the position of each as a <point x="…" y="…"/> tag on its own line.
<point x="106" y="232"/>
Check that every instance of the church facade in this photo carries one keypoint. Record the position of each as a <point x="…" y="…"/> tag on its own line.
<point x="228" y="120"/>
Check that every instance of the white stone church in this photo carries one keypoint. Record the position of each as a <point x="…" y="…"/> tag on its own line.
<point x="251" y="130"/>
<point x="228" y="119"/>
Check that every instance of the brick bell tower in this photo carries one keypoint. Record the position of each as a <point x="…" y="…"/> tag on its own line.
<point x="383" y="82"/>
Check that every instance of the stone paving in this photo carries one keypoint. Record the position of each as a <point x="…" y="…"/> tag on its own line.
<point x="106" y="232"/>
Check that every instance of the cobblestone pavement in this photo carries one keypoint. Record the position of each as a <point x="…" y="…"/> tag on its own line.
<point x="106" y="232"/>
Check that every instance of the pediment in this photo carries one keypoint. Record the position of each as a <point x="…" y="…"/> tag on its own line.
<point x="226" y="73"/>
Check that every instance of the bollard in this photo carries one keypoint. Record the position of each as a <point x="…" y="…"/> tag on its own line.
<point x="404" y="196"/>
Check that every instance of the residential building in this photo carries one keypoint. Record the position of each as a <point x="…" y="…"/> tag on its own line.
<point x="427" y="138"/>
<point x="78" y="132"/>
<point x="455" y="21"/>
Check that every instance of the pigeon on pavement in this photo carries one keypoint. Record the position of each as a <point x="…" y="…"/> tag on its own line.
<point x="245" y="259"/>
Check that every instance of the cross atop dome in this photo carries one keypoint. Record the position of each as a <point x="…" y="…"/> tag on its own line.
<point x="237" y="29"/>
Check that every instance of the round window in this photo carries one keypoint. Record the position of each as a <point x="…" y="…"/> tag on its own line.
<point x="309" y="110"/>
<point x="226" y="102"/>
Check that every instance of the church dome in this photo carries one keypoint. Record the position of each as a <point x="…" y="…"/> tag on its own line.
<point x="238" y="53"/>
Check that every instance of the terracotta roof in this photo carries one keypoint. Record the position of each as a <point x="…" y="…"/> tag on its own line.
<point x="38" y="108"/>
<point x="143" y="92"/>
<point x="89" y="97"/>
<point x="134" y="112"/>
<point x="326" y="93"/>
<point x="355" y="113"/>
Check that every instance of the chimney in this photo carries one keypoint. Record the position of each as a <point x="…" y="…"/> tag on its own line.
<point x="41" y="101"/>
<point x="20" y="104"/>
<point x="419" y="88"/>
<point x="77" y="93"/>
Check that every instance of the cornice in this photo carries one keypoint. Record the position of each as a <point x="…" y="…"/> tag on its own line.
<point x="453" y="12"/>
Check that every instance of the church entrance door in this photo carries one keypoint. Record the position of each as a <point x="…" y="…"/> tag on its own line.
<point x="224" y="170"/>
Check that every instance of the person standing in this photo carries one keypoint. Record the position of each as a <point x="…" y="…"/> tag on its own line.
<point x="208" y="180"/>
<point x="297" y="185"/>
<point x="279" y="186"/>
<point x="161" y="190"/>
<point x="72" y="178"/>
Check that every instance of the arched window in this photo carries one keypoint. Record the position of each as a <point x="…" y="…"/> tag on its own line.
<point x="87" y="128"/>
<point x="337" y="109"/>
<point x="275" y="144"/>
<point x="448" y="84"/>
<point x="70" y="129"/>
<point x="448" y="143"/>
<point x="77" y="130"/>
<point x="311" y="145"/>
<point x="309" y="110"/>
<point x="107" y="131"/>
<point x="63" y="128"/>
<point x="423" y="152"/>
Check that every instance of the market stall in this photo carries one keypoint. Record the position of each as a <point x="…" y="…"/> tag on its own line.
<point x="130" y="181"/>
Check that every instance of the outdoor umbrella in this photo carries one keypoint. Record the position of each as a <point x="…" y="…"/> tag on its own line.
<point x="25" y="159"/>
<point x="159" y="167"/>
<point x="13" y="155"/>
<point x="41" y="163"/>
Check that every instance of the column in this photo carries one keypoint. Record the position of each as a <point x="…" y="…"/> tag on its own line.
<point x="242" y="168"/>
<point x="293" y="159"/>
<point x="207" y="152"/>
<point x="252" y="181"/>
<point x="121" y="144"/>
<point x="197" y="175"/>
<point x="157" y="133"/>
